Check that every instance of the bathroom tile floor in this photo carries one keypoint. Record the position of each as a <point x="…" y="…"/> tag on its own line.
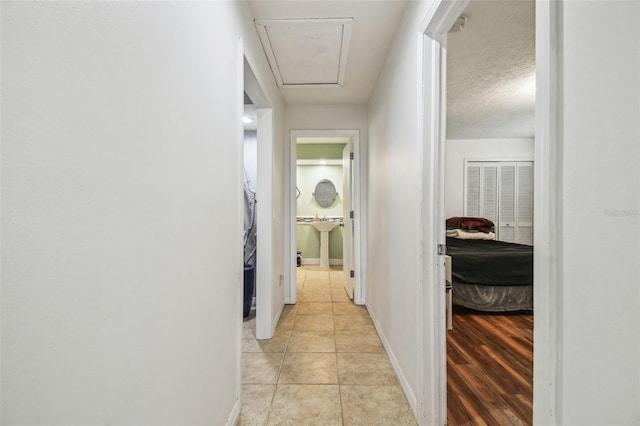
<point x="325" y="364"/>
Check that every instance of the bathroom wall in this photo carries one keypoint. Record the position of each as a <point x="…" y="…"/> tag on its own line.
<point x="307" y="178"/>
<point x="308" y="238"/>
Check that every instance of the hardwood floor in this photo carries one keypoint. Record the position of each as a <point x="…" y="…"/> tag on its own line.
<point x="490" y="368"/>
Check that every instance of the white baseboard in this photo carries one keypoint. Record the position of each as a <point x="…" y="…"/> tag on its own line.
<point x="408" y="392"/>
<point x="276" y="319"/>
<point x="233" y="418"/>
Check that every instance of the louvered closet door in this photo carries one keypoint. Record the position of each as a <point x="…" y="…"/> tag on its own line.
<point x="506" y="223"/>
<point x="489" y="193"/>
<point x="472" y="188"/>
<point x="502" y="191"/>
<point x="524" y="229"/>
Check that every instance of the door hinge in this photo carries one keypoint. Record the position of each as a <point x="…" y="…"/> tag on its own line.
<point x="442" y="249"/>
<point x="351" y="214"/>
<point x="352" y="274"/>
<point x="351" y="156"/>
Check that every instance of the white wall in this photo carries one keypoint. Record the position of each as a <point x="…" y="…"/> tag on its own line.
<point x="394" y="202"/>
<point x="600" y="321"/>
<point x="121" y="275"/>
<point x="457" y="150"/>
<point x="326" y="117"/>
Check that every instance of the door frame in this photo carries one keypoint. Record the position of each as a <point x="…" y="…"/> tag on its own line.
<point x="264" y="195"/>
<point x="432" y="391"/>
<point x="358" y="287"/>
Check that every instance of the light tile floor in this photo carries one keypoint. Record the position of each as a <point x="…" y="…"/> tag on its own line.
<point x="325" y="364"/>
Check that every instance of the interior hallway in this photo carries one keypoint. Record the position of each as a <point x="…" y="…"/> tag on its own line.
<point x="324" y="365"/>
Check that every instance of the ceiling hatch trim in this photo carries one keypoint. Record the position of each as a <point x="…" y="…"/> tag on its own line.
<point x="305" y="53"/>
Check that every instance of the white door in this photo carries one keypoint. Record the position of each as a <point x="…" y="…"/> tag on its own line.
<point x="347" y="230"/>
<point x="524" y="203"/>
<point x="506" y="224"/>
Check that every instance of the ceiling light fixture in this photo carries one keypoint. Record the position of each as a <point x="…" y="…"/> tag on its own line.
<point x="247" y="120"/>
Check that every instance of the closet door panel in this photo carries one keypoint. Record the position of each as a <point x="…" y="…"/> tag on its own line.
<point x="524" y="230"/>
<point x="507" y="213"/>
<point x="489" y="203"/>
<point x="502" y="192"/>
<point x="472" y="195"/>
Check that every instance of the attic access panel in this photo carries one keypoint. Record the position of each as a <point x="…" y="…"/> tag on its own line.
<point x="306" y="52"/>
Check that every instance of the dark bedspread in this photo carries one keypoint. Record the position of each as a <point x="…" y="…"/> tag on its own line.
<point x="490" y="262"/>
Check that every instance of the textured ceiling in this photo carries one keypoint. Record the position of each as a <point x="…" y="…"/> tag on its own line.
<point x="491" y="72"/>
<point x="374" y="25"/>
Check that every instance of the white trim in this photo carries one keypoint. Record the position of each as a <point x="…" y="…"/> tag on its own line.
<point x="548" y="227"/>
<point x="497" y="159"/>
<point x="432" y="388"/>
<point x="264" y="190"/>
<point x="359" y="297"/>
<point x="404" y="383"/>
<point x="233" y="417"/>
<point x="291" y="287"/>
<point x="240" y="74"/>
<point x="276" y="319"/>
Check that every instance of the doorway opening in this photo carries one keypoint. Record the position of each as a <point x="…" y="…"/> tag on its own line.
<point x="546" y="279"/>
<point x="258" y="189"/>
<point x="488" y="179"/>
<point x="325" y="205"/>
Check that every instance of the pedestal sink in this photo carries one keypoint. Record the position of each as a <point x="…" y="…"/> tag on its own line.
<point x="324" y="228"/>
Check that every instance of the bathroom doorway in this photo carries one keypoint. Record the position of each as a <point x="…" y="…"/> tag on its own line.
<point x="325" y="224"/>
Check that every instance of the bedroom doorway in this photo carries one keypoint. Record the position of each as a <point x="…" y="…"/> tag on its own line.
<point x="489" y="152"/>
<point x="435" y="47"/>
<point x="488" y="180"/>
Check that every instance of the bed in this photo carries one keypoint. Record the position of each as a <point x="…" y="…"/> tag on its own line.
<point x="491" y="276"/>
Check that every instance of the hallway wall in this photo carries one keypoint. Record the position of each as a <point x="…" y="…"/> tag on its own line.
<point x="394" y="201"/>
<point x="599" y="323"/>
<point x="121" y="287"/>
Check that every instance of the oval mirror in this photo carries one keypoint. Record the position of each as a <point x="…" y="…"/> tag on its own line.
<point x="325" y="193"/>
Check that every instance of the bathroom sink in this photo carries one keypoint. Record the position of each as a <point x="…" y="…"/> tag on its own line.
<point x="324" y="226"/>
